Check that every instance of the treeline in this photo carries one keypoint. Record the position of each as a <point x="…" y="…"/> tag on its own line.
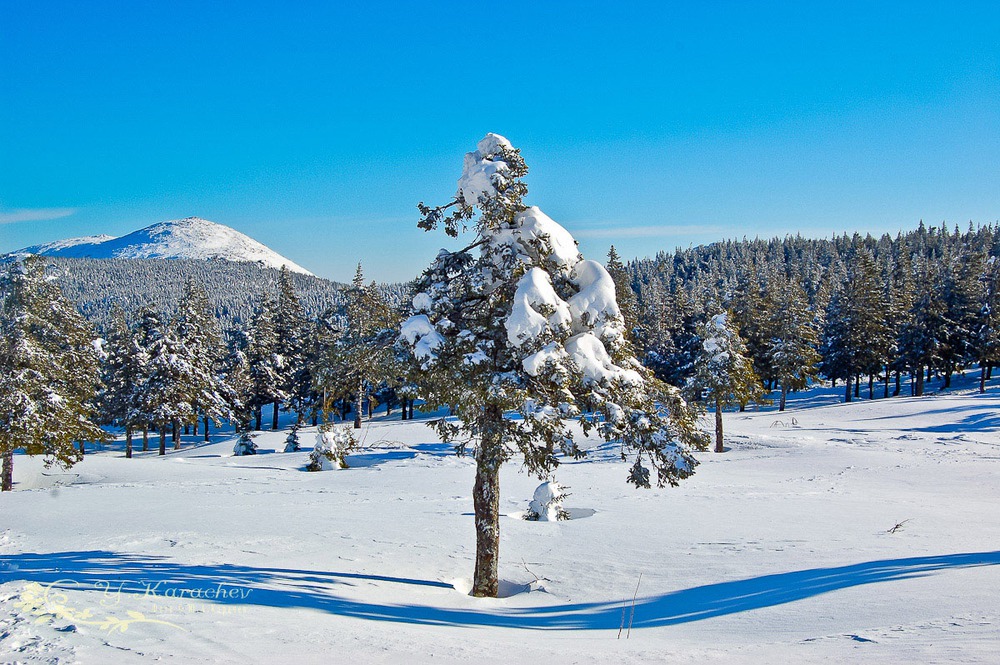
<point x="871" y="310"/>
<point x="166" y="373"/>
<point x="95" y="286"/>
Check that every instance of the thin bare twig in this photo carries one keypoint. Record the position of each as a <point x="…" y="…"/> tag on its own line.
<point x="632" y="616"/>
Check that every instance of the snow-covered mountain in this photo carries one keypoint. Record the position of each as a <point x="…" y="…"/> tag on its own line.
<point x="190" y="238"/>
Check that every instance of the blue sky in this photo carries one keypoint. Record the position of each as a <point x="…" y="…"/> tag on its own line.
<point x="317" y="127"/>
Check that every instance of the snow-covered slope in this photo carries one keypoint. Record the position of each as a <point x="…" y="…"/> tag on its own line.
<point x="190" y="238"/>
<point x="829" y="533"/>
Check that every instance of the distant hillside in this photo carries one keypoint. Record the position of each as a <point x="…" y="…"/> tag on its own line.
<point x="190" y="238"/>
<point x="234" y="289"/>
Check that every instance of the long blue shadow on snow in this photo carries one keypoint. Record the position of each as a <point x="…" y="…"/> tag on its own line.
<point x="100" y="571"/>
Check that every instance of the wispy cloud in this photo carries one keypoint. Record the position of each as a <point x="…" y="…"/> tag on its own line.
<point x="663" y="231"/>
<point x="34" y="214"/>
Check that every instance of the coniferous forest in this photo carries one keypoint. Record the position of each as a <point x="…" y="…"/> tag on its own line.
<point x="190" y="344"/>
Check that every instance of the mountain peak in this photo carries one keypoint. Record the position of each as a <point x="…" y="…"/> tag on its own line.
<point x="188" y="238"/>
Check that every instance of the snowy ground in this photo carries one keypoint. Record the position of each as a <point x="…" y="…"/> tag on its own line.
<point x="778" y="550"/>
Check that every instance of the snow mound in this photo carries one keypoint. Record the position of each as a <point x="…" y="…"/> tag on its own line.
<point x="189" y="238"/>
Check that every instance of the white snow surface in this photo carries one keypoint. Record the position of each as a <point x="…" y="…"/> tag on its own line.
<point x="776" y="551"/>
<point x="190" y="238"/>
<point x="533" y="225"/>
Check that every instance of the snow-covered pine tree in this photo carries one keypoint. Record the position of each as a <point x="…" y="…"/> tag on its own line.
<point x="333" y="443"/>
<point x="263" y="360"/>
<point x="724" y="371"/>
<point x="49" y="371"/>
<point x="792" y="354"/>
<point x="627" y="302"/>
<point x="122" y="368"/>
<point x="363" y="356"/>
<point x="517" y="322"/>
<point x="987" y="339"/>
<point x="198" y="332"/>
<point x="289" y="340"/>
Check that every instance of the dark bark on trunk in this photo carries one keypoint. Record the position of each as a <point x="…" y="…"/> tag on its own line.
<point x="145" y="438"/>
<point x="176" y="439"/>
<point x="7" y="474"/>
<point x="371" y="408"/>
<point x="195" y="432"/>
<point x="718" y="425"/>
<point x="187" y="428"/>
<point x="918" y="391"/>
<point x="206" y="429"/>
<point x="411" y="409"/>
<point x="982" y="380"/>
<point x="274" y="416"/>
<point x="257" y="417"/>
<point x="886" y="392"/>
<point x="163" y="440"/>
<point x="128" y="441"/>
<point x="847" y="389"/>
<point x="871" y="386"/>
<point x="486" y="502"/>
<point x="360" y="399"/>
<point x="784" y="397"/>
<point x="82" y="450"/>
<point x="899" y="385"/>
<point x="947" y="379"/>
<point x="857" y="386"/>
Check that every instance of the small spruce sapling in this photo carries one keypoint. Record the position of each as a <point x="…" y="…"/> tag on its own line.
<point x="244" y="442"/>
<point x="546" y="504"/>
<point x="332" y="447"/>
<point x="292" y="441"/>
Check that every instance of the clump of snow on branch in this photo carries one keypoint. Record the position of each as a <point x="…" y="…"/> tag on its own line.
<point x="480" y="169"/>
<point x="546" y="504"/>
<point x="331" y="448"/>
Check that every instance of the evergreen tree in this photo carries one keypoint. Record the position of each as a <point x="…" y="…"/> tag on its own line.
<point x="627" y="302"/>
<point x="123" y="367"/>
<point x="264" y="360"/>
<point x="723" y="371"/>
<point x="518" y="322"/>
<point x="201" y="340"/>
<point x="792" y="354"/>
<point x="49" y="371"/>
<point x="289" y="342"/>
<point x="987" y="339"/>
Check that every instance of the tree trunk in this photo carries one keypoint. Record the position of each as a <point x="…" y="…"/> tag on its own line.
<point x="163" y="439"/>
<point x="206" y="428"/>
<point x="982" y="380"/>
<point x="274" y="416"/>
<point x="195" y="432"/>
<point x="718" y="425"/>
<point x="784" y="396"/>
<point x="947" y="379"/>
<point x="899" y="386"/>
<point x="357" y="412"/>
<point x="486" y="503"/>
<point x="7" y="475"/>
<point x="82" y="450"/>
<point x="145" y="438"/>
<point x="371" y="408"/>
<point x="411" y="408"/>
<point x="257" y="417"/>
<point x="871" y="386"/>
<point x="128" y="442"/>
<point x="187" y="428"/>
<point x="919" y="390"/>
<point x="176" y="438"/>
<point x="847" y="388"/>
<point x="857" y="386"/>
<point x="886" y="392"/>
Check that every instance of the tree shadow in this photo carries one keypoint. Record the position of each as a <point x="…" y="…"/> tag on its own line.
<point x="158" y="578"/>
